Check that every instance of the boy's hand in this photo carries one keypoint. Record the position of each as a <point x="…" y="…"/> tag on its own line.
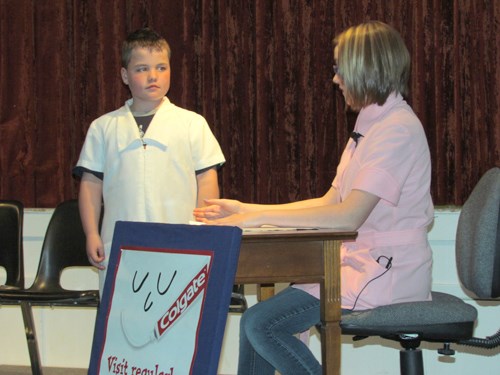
<point x="95" y="251"/>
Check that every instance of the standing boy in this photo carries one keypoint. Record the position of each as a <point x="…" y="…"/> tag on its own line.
<point x="149" y="160"/>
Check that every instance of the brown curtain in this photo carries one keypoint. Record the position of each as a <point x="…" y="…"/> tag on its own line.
<point x="259" y="71"/>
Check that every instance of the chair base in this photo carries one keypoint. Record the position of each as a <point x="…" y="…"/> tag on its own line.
<point x="411" y="362"/>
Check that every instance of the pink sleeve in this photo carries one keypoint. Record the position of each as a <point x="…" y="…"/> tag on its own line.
<point x="386" y="162"/>
<point x="380" y="183"/>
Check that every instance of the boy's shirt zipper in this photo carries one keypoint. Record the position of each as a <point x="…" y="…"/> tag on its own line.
<point x="141" y="135"/>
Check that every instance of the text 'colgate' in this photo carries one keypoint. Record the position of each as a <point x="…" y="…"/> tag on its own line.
<point x="194" y="288"/>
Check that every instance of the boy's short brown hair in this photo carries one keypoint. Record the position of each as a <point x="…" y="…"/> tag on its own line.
<point x="143" y="38"/>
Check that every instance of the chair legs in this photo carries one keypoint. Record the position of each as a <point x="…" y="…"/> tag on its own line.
<point x="29" y="326"/>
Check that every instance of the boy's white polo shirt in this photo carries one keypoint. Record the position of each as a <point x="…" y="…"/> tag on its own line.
<point x="155" y="183"/>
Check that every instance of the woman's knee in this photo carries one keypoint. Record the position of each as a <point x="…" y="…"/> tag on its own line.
<point x="253" y="320"/>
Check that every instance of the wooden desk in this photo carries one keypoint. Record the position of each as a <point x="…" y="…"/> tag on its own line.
<point x="302" y="256"/>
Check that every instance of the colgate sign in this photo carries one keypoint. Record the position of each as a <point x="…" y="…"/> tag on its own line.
<point x="194" y="288"/>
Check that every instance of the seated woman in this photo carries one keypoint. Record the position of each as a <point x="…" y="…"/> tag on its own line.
<point x="381" y="190"/>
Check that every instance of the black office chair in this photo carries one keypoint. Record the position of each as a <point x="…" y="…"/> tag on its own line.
<point x="446" y="318"/>
<point x="11" y="243"/>
<point x="63" y="247"/>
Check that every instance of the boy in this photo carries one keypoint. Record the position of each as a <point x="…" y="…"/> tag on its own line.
<point x="148" y="160"/>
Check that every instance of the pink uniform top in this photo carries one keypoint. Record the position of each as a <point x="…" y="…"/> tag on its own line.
<point x="391" y="260"/>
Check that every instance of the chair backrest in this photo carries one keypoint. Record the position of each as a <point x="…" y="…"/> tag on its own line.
<point x="63" y="247"/>
<point x="11" y="242"/>
<point x="477" y="240"/>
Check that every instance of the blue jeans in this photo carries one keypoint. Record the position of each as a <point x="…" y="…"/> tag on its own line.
<point x="267" y="335"/>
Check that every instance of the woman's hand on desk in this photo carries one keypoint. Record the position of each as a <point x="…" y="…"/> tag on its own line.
<point x="236" y="220"/>
<point x="217" y="209"/>
<point x="224" y="212"/>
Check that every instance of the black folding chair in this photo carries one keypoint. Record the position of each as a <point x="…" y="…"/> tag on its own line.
<point x="11" y="243"/>
<point x="63" y="247"/>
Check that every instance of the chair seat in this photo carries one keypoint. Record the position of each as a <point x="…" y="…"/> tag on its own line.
<point x="37" y="297"/>
<point x="6" y="293"/>
<point x="9" y="287"/>
<point x="445" y="319"/>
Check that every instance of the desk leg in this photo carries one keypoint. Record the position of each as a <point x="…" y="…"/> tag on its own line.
<point x="330" y="309"/>
<point x="264" y="291"/>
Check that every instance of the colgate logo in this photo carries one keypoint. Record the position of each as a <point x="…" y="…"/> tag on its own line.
<point x="194" y="288"/>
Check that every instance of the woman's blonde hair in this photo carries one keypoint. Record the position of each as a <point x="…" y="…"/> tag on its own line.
<point x="373" y="62"/>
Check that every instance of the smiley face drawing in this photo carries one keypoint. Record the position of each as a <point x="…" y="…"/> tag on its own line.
<point x="137" y="286"/>
<point x="150" y="287"/>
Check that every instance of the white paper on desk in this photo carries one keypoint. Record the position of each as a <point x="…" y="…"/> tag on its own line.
<point x="265" y="228"/>
<point x="271" y="228"/>
<point x="192" y="222"/>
